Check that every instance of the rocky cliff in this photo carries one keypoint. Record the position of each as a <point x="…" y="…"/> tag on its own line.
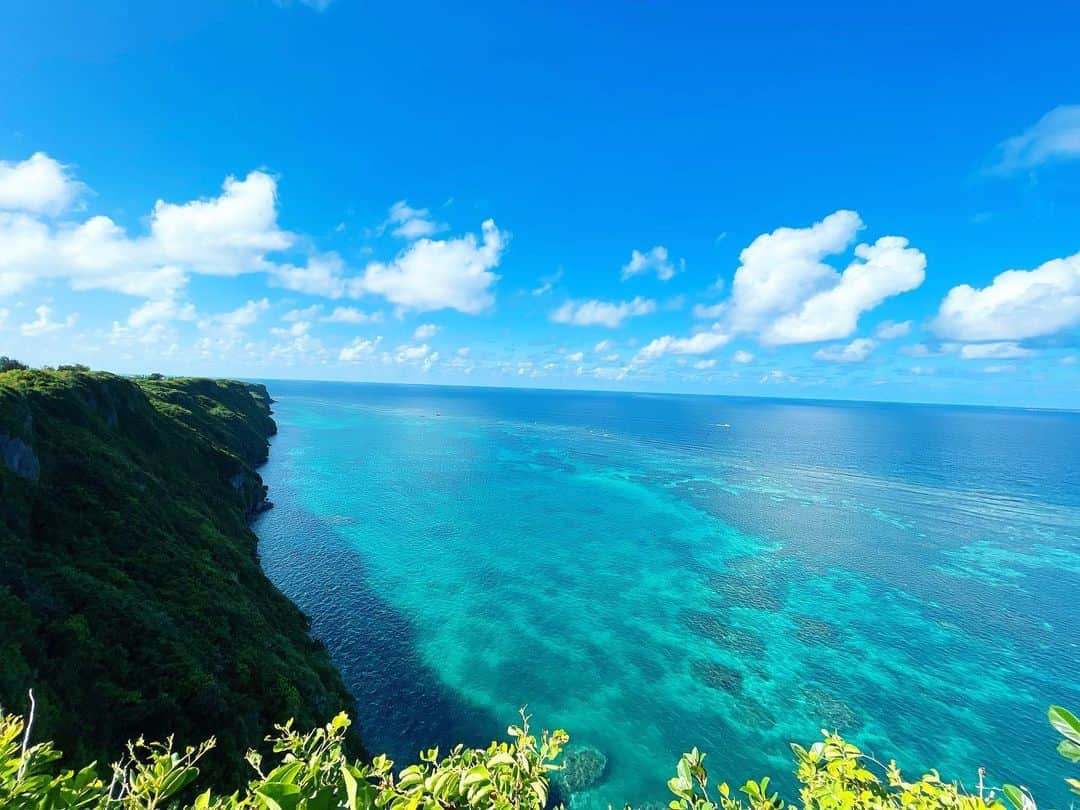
<point x="131" y="598"/>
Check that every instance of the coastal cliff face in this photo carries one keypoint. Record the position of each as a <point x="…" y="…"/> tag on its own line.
<point x="131" y="597"/>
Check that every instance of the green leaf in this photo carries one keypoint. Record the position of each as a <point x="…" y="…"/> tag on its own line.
<point x="540" y="789"/>
<point x="1069" y="750"/>
<point x="350" y="787"/>
<point x="501" y="758"/>
<point x="1065" y="722"/>
<point x="1014" y="795"/>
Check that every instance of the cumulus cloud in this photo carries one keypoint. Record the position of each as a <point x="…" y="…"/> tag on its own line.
<point x="407" y="222"/>
<point x="444" y="274"/>
<point x="38" y="185"/>
<point x="43" y="324"/>
<point x="786" y="292"/>
<point x="359" y="350"/>
<point x="237" y="319"/>
<point x="993" y="351"/>
<point x="1055" y="136"/>
<point x="322" y="275"/>
<point x="701" y="365"/>
<point x="886" y="268"/>
<point x="352" y="315"/>
<point x="603" y="346"/>
<point x="576" y="357"/>
<point x="1017" y="304"/>
<point x="425" y="331"/>
<point x="654" y="260"/>
<point x="742" y="356"/>
<point x="889" y="330"/>
<point x="225" y="235"/>
<point x="602" y="313"/>
<point x="700" y="343"/>
<point x="854" y="352"/>
<point x="161" y="310"/>
<point x="710" y="311"/>
<point x="305" y="314"/>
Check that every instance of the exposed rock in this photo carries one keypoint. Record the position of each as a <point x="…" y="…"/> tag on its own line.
<point x="19" y="457"/>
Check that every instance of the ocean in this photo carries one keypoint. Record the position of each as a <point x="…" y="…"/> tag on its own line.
<point x="654" y="572"/>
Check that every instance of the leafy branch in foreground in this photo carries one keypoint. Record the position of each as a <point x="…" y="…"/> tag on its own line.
<point x="1068" y="726"/>
<point x="312" y="771"/>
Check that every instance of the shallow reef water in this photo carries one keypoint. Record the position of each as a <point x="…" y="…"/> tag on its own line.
<point x="905" y="574"/>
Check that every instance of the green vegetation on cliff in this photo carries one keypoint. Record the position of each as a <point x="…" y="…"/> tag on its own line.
<point x="131" y="597"/>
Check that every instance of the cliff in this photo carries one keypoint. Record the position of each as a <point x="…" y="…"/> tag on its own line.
<point x="131" y="597"/>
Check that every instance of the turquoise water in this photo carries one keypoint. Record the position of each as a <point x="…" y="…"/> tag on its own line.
<point x="649" y="579"/>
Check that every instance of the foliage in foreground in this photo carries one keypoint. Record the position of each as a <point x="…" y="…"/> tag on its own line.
<point x="313" y="771"/>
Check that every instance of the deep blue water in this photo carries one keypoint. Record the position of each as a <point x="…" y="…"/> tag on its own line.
<point x="653" y="572"/>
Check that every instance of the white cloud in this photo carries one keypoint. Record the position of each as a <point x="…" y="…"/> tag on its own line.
<point x="38" y="185"/>
<point x="603" y="346"/>
<point x="889" y="330"/>
<point x="701" y="365"/>
<point x="295" y="345"/>
<point x="742" y="357"/>
<point x="546" y="283"/>
<point x="1018" y="304"/>
<point x="425" y="331"/>
<point x="854" y="352"/>
<point x="44" y="323"/>
<point x="993" y="351"/>
<point x="602" y="313"/>
<point x="776" y="376"/>
<point x="1055" y="136"/>
<point x="655" y="259"/>
<point x="352" y="315"/>
<point x="411" y="223"/>
<point x="886" y="268"/>
<point x="322" y="275"/>
<point x="780" y="270"/>
<point x="784" y="290"/>
<point x="446" y="274"/>
<point x="576" y="357"/>
<point x="360" y="349"/>
<point x="701" y="343"/>
<point x="160" y="311"/>
<point x="999" y="369"/>
<point x="305" y="314"/>
<point x="298" y="329"/>
<point x="237" y="319"/>
<point x="226" y="235"/>
<point x="408" y="354"/>
<point x="463" y="351"/>
<point x="710" y="311"/>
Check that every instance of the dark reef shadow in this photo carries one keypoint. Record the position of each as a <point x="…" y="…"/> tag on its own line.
<point x="403" y="703"/>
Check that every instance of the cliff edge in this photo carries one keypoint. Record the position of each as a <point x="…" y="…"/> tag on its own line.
<point x="131" y="597"/>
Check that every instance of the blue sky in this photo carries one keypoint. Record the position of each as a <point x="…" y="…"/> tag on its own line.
<point x="837" y="202"/>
